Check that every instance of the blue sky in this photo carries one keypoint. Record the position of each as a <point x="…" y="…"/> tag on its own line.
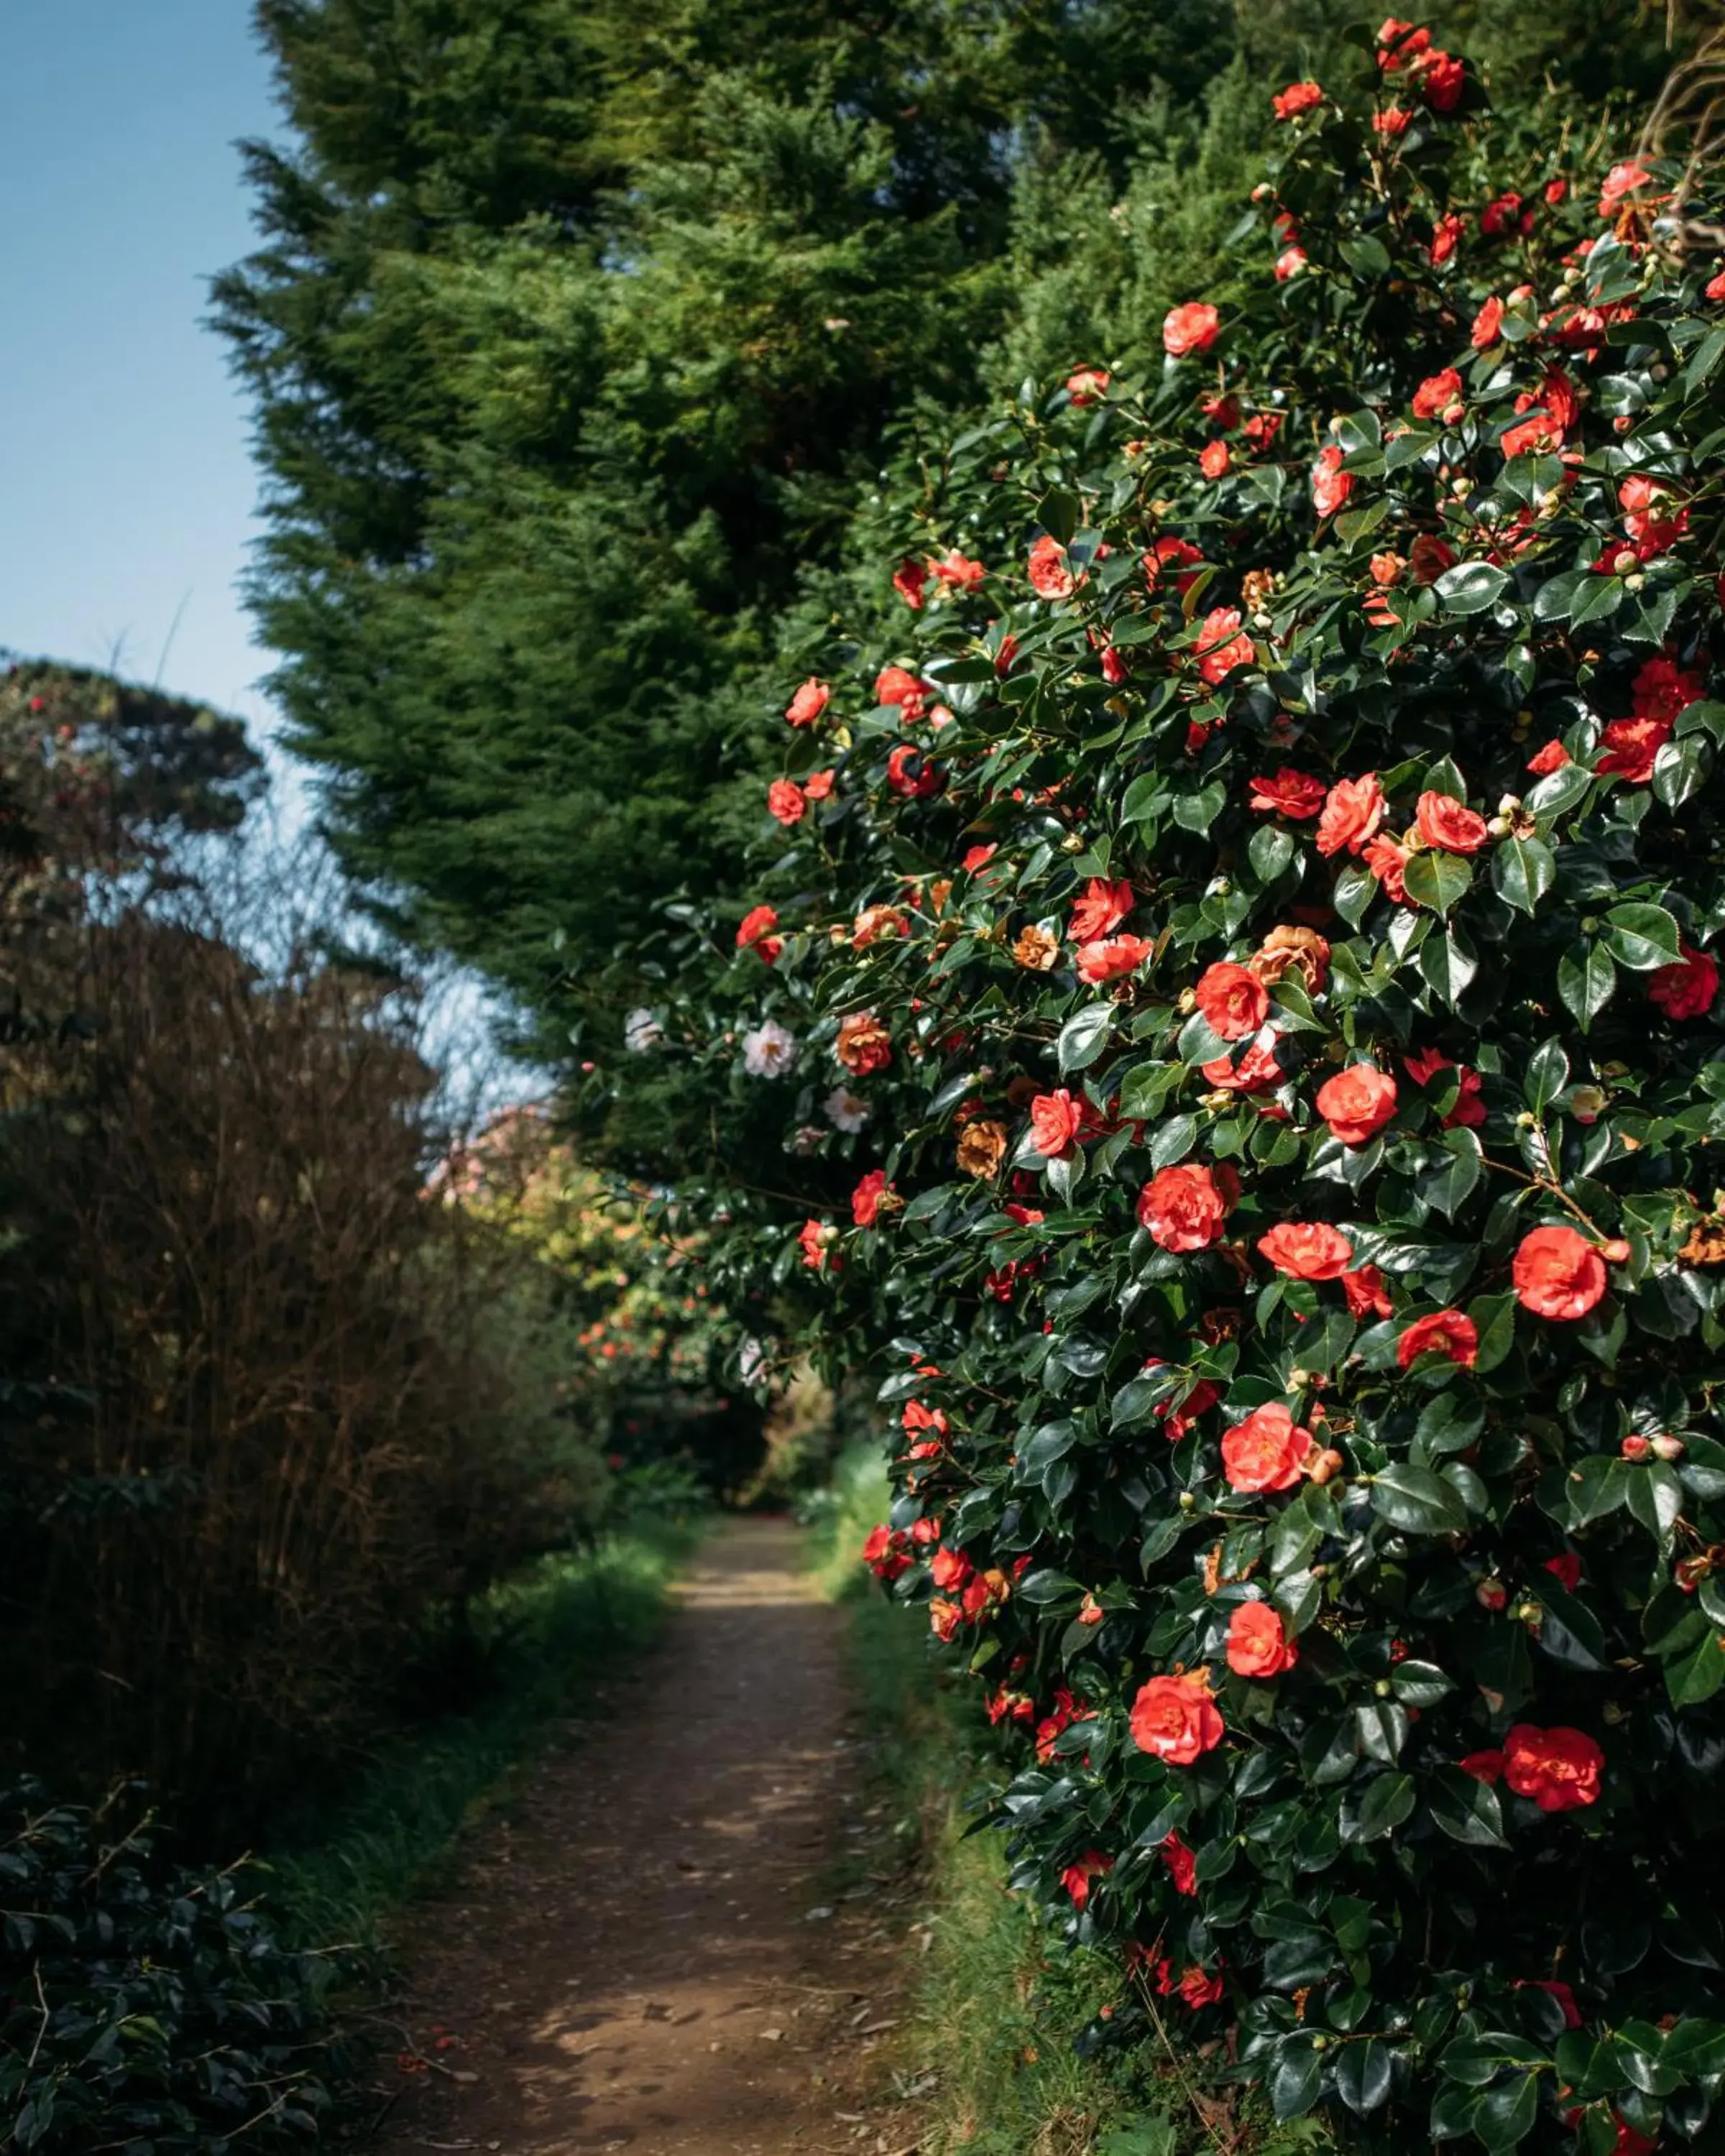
<point x="129" y="491"/>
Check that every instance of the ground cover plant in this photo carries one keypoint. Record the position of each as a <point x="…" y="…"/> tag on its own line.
<point x="1237" y="978"/>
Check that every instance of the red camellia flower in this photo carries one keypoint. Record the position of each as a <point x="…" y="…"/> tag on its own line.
<point x="1331" y="485"/>
<point x="908" y="579"/>
<point x="1624" y="179"/>
<point x="1429" y="557"/>
<point x="1630" y="746"/>
<point x="1483" y="1766"/>
<point x="1687" y="988"/>
<point x="1663" y="690"/>
<point x="1558" y="1769"/>
<point x="1356" y="1102"/>
<point x="1565" y="1568"/>
<point x="1257" y="1071"/>
<point x="951" y="1570"/>
<point x="894" y="685"/>
<point x="1306" y="1250"/>
<point x="816" y="1238"/>
<point x="1258" y="1644"/>
<point x="1223" y="644"/>
<point x="1177" y="554"/>
<point x="810" y="700"/>
<point x="866" y="1198"/>
<point x="1048" y="569"/>
<point x="1446" y="238"/>
<point x="1442" y="78"/>
<point x="1298" y="97"/>
<point x="1111" y="956"/>
<point x="1353" y="810"/>
<point x="1504" y="215"/>
<point x="1233" y="1000"/>
<point x="1448" y="824"/>
<point x="863" y="1044"/>
<point x="1176" y="1718"/>
<point x="958" y="572"/>
<point x="1196" y="1986"/>
<point x="1181" y="1864"/>
<point x="909" y="773"/>
<point x="1182" y="1208"/>
<point x="1365" y="1293"/>
<point x="818" y="785"/>
<point x="1215" y="458"/>
<point x="1387" y="862"/>
<point x="1100" y="910"/>
<point x="1289" y="262"/>
<point x="1470" y="1109"/>
<point x="1055" y="1121"/>
<point x="1293" y="793"/>
<point x="1450" y="1332"/>
<point x="1487" y="323"/>
<point x="1551" y="757"/>
<point x="1087" y="384"/>
<point x="1437" y="394"/>
<point x="784" y="800"/>
<point x="1190" y="328"/>
<point x="1392" y="120"/>
<point x="1266" y="1452"/>
<point x="754" y="933"/>
<point x="1076" y="1877"/>
<point x="885" y="1554"/>
<point x="1558" y="1273"/>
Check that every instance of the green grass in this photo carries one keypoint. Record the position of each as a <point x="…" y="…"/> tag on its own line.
<point x="996" y="2003"/>
<point x="548" y="1633"/>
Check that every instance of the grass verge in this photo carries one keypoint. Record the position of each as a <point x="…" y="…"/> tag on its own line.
<point x="546" y="1636"/>
<point x="996" y="2004"/>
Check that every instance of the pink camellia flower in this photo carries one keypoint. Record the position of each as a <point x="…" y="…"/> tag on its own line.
<point x="785" y="801"/>
<point x="1624" y="179"/>
<point x="1331" y="485"/>
<point x="1223" y="644"/>
<point x="810" y="700"/>
<point x="1109" y="957"/>
<point x="1048" y="569"/>
<point x="1289" y="264"/>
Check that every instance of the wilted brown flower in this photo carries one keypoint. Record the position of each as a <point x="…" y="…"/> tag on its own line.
<point x="1036" y="950"/>
<point x="1257" y="588"/>
<point x="1287" y="950"/>
<point x="982" y="1147"/>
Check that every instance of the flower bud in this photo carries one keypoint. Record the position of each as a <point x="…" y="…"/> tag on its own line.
<point x="1635" y="584"/>
<point x="1500" y="826"/>
<point x="1667" y="1446"/>
<point x="1586" y="1103"/>
<point x="1635" y="1447"/>
<point x="1327" y="1465"/>
<point x="1492" y="1594"/>
<point x="1616" y="1252"/>
<point x="1073" y="843"/>
<point x="1624" y="560"/>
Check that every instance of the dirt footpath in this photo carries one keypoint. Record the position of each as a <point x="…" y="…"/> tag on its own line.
<point x="652" y="1955"/>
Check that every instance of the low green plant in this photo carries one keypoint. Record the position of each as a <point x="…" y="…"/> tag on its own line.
<point x="146" y="2006"/>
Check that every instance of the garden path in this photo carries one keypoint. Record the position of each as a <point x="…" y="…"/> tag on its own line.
<point x="650" y="1954"/>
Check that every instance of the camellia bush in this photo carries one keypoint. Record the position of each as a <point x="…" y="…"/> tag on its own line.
<point x="1240" y="975"/>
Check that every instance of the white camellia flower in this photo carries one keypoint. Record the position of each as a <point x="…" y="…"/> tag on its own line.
<point x="768" y="1050"/>
<point x="641" y="1030"/>
<point x="846" y="1111"/>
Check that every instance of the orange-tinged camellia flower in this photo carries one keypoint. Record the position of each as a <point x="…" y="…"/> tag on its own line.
<point x="1266" y="1452"/>
<point x="893" y="684"/>
<point x="1558" y="1769"/>
<point x="1076" y="1877"/>
<point x="1289" y="949"/>
<point x="1258" y="1644"/>
<point x="1171" y="553"/>
<point x="818" y="785"/>
<point x="1331" y="485"/>
<point x="1356" y="1102"/>
<point x="1233" y="1000"/>
<point x="1294" y="793"/>
<point x="1111" y="955"/>
<point x="810" y="700"/>
<point x="1100" y="910"/>
<point x="909" y="773"/>
<point x="1623" y="179"/>
<point x="863" y="1043"/>
<point x="1487" y="324"/>
<point x="958" y="571"/>
<point x="1439" y="396"/>
<point x="816" y="1238"/>
<point x="1687" y="988"/>
<point x="1446" y="238"/>
<point x="1388" y="861"/>
<point x="785" y="802"/>
<point x="1190" y="328"/>
<point x="1551" y="757"/>
<point x="1365" y="1293"/>
<point x="1353" y="810"/>
<point x="1450" y="1332"/>
<point x="1631" y="746"/>
<point x="951" y="1570"/>
<point x="1442" y="78"/>
<point x="1306" y="1250"/>
<point x="1215" y="458"/>
<point x="1391" y="121"/>
<point x="1050" y="574"/>
<point x="1182" y="1208"/>
<point x="876" y="922"/>
<point x="1056" y="1120"/>
<point x="1558" y="1273"/>
<point x="1176" y="1718"/>
<point x="1257" y="1071"/>
<point x="1298" y="97"/>
<point x="1223" y="644"/>
<point x="1448" y="824"/>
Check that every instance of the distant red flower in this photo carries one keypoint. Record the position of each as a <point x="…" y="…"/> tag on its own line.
<point x="1298" y="97"/>
<point x="1446" y="237"/>
<point x="1076" y="1877"/>
<point x="754" y="933"/>
<point x="1551" y="757"/>
<point x="1050" y="574"/>
<point x="1687" y="988"/>
<point x="908" y="579"/>
<point x="1215" y="458"/>
<point x="1331" y="485"/>
<point x="1306" y="1250"/>
<point x="1438" y="394"/>
<point x="1223" y="644"/>
<point x="909" y="773"/>
<point x="1087" y="384"/>
<point x="784" y="800"/>
<point x="1100" y="910"/>
<point x="957" y="572"/>
<point x="1293" y="793"/>
<point x="1487" y="323"/>
<point x="866" y="1198"/>
<point x="810" y="700"/>
<point x="1178" y="554"/>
